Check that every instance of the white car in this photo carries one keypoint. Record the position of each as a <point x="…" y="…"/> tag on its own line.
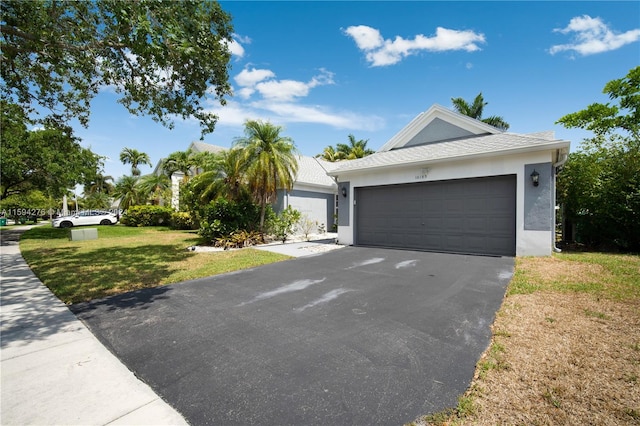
<point x="86" y="217"/>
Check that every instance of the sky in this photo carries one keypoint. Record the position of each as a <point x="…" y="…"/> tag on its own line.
<point x="324" y="70"/>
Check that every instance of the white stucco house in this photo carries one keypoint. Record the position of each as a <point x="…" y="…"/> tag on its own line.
<point x="449" y="183"/>
<point x="314" y="193"/>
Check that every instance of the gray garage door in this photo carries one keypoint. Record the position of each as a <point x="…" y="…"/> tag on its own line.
<point x="460" y="216"/>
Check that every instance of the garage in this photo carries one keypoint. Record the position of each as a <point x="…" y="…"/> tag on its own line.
<point x="473" y="216"/>
<point x="449" y="183"/>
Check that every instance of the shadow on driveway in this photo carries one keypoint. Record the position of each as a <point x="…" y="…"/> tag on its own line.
<point x="354" y="336"/>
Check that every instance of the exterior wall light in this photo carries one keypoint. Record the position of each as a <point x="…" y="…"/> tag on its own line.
<point x="535" y="177"/>
<point x="344" y="191"/>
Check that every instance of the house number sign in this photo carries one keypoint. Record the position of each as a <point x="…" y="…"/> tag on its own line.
<point x="422" y="174"/>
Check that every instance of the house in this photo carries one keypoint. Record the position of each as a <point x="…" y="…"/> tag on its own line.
<point x="314" y="193"/>
<point x="450" y="183"/>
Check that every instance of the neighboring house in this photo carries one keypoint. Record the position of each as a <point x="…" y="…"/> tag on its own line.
<point x="314" y="192"/>
<point x="450" y="183"/>
<point x="178" y="177"/>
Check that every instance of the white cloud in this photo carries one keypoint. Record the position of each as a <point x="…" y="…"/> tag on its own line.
<point x="235" y="46"/>
<point x="366" y="38"/>
<point x="591" y="36"/>
<point x="234" y="114"/>
<point x="250" y="77"/>
<point x="283" y="90"/>
<point x="263" y="81"/>
<point x="297" y="113"/>
<point x="382" y="52"/>
<point x="278" y="101"/>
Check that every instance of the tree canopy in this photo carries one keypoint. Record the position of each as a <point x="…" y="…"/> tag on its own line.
<point x="354" y="149"/>
<point x="163" y="58"/>
<point x="603" y="119"/>
<point x="135" y="158"/>
<point x="600" y="185"/>
<point x="475" y="110"/>
<point x="50" y="160"/>
<point x="271" y="161"/>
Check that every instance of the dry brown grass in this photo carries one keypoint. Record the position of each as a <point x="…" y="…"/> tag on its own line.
<point x="565" y="348"/>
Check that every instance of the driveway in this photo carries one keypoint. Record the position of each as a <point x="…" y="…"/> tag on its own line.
<point x="357" y="336"/>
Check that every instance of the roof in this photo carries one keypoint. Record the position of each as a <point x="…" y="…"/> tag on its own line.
<point x="466" y="126"/>
<point x="313" y="171"/>
<point x="206" y="147"/>
<point x="459" y="149"/>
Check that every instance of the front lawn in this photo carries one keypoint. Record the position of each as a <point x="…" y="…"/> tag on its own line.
<point x="124" y="259"/>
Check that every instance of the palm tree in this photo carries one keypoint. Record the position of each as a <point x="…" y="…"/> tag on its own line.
<point x="99" y="184"/>
<point x="135" y="158"/>
<point x="154" y="185"/>
<point x="475" y="110"/>
<point x="127" y="191"/>
<point x="224" y="179"/>
<point x="180" y="161"/>
<point x="97" y="201"/>
<point x="330" y="154"/>
<point x="270" y="159"/>
<point x="355" y="148"/>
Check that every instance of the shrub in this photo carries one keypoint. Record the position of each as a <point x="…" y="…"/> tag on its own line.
<point x="285" y="223"/>
<point x="183" y="220"/>
<point x="223" y="217"/>
<point x="147" y="215"/>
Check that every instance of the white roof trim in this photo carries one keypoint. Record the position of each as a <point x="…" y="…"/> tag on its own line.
<point x="442" y="152"/>
<point x="437" y="111"/>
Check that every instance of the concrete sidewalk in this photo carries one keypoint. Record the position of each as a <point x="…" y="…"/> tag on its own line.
<point x="297" y="248"/>
<point x="53" y="369"/>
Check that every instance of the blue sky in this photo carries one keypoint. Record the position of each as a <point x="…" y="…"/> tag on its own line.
<point x="324" y="70"/>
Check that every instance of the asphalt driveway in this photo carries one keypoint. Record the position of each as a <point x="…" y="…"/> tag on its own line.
<point x="357" y="336"/>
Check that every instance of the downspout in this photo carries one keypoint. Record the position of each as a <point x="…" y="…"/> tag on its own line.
<point x="563" y="156"/>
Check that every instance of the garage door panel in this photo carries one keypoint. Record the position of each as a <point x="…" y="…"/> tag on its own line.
<point x="465" y="216"/>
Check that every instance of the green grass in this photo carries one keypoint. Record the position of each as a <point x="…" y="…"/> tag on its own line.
<point x="611" y="276"/>
<point x="124" y="259"/>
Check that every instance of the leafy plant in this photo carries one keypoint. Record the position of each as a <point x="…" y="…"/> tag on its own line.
<point x="223" y="217"/>
<point x="240" y="239"/>
<point x="285" y="223"/>
<point x="147" y="215"/>
<point x="599" y="187"/>
<point x="183" y="220"/>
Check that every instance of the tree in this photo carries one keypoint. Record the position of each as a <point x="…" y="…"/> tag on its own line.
<point x="476" y="109"/>
<point x="355" y="148"/>
<point x="128" y="191"/>
<point x="330" y="154"/>
<point x="270" y="159"/>
<point x="224" y="178"/>
<point x="97" y="201"/>
<point x="180" y="161"/>
<point x="99" y="184"/>
<point x="604" y="119"/>
<point x="50" y="159"/>
<point x="600" y="185"/>
<point x="135" y="158"/>
<point x="162" y="57"/>
<point x="155" y="186"/>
